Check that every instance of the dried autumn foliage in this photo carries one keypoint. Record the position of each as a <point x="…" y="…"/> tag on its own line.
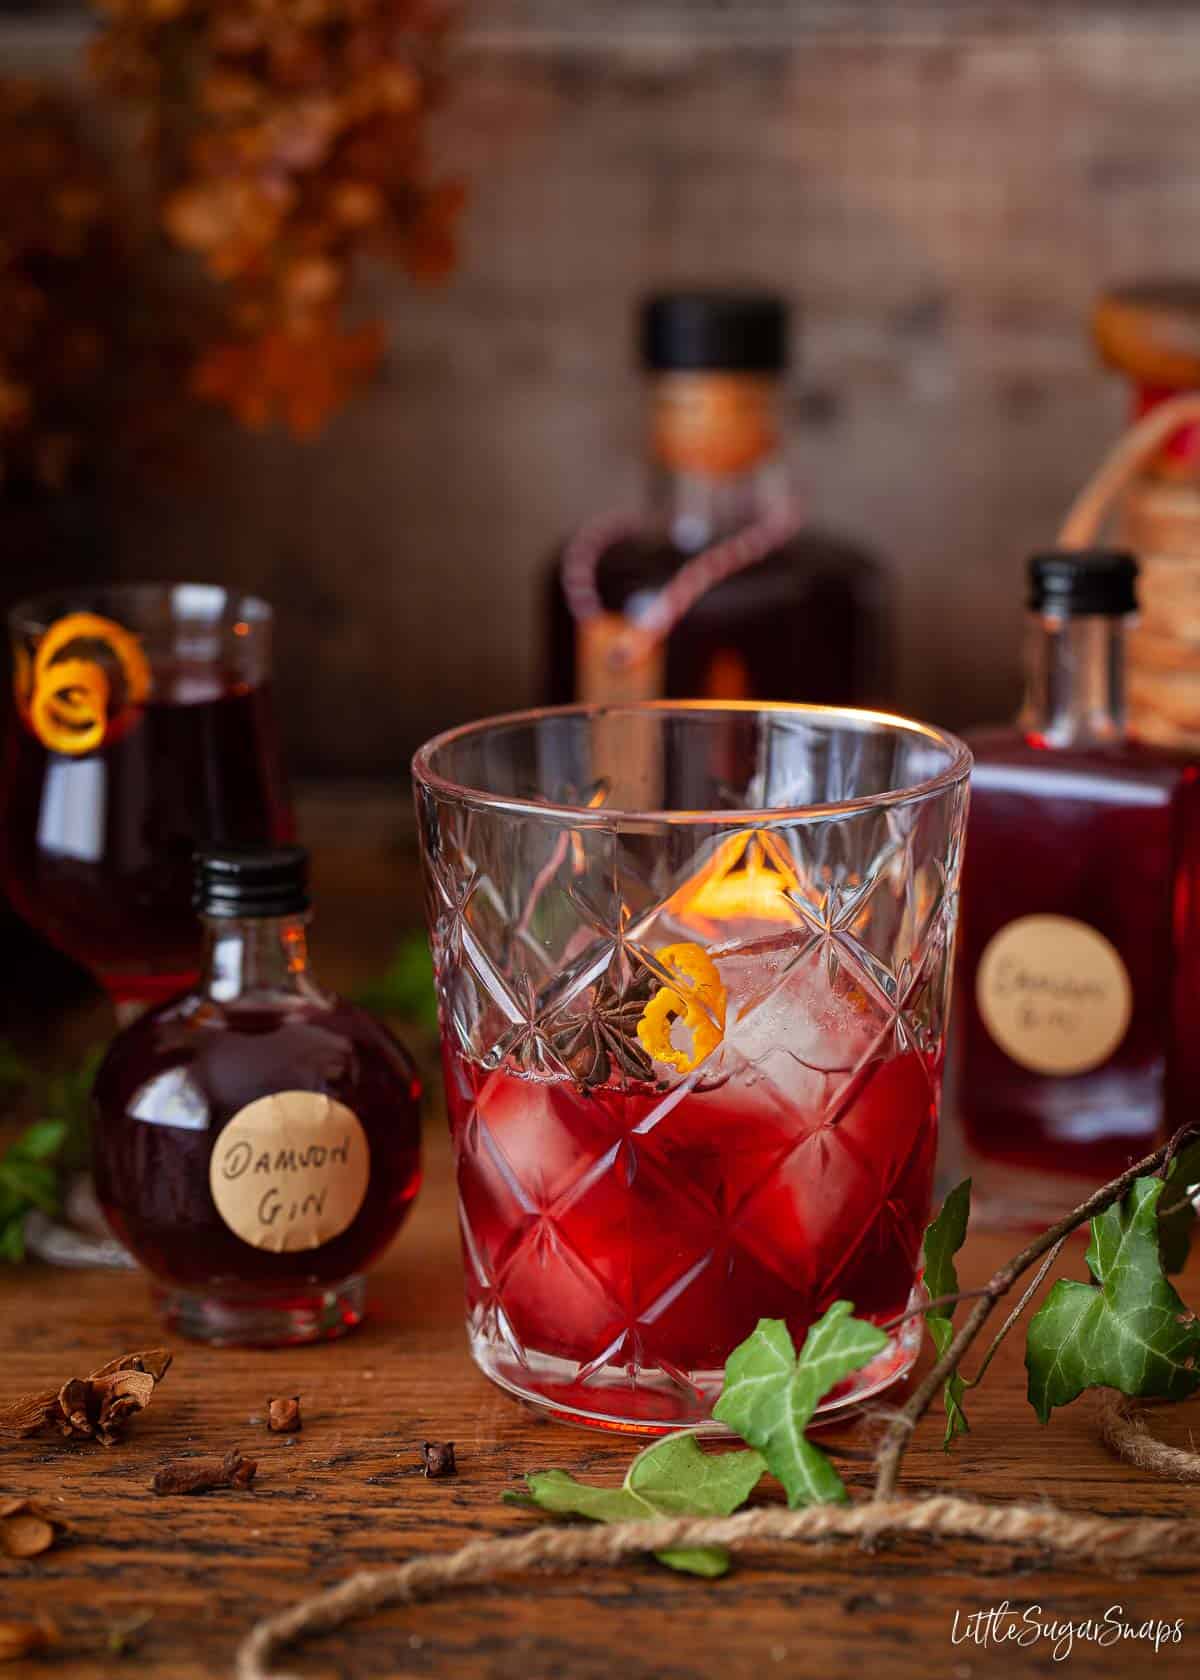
<point x="287" y="138"/>
<point x="61" y="287"/>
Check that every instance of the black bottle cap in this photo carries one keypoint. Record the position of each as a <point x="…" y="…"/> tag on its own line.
<point x="734" y="332"/>
<point x="251" y="882"/>
<point x="1085" y="580"/>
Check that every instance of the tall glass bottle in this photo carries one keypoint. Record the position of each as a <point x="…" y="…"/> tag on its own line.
<point x="1079" y="953"/>
<point x="771" y="608"/>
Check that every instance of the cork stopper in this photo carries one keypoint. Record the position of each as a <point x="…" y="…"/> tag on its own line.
<point x="1150" y="330"/>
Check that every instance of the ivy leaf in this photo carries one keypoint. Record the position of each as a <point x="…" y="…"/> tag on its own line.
<point x="69" y="1102"/>
<point x="1129" y="1330"/>
<point x="673" y="1478"/>
<point x="770" y="1395"/>
<point x="12" y="1240"/>
<point x="39" y="1142"/>
<point x="31" y="1167"/>
<point x="30" y="1181"/>
<point x="1176" y="1219"/>
<point x="15" y="1073"/>
<point x="405" y="988"/>
<point x="944" y="1236"/>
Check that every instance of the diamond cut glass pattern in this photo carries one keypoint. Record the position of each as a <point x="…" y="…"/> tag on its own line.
<point x="692" y="967"/>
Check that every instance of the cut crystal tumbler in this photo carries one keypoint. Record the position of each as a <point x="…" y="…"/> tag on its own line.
<point x="692" y="965"/>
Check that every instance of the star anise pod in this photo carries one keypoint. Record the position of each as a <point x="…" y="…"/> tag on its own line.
<point x="604" y="1039"/>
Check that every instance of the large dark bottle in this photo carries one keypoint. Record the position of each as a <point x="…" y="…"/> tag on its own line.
<point x="719" y="588"/>
<point x="256" y="1141"/>
<point x="1079" y="934"/>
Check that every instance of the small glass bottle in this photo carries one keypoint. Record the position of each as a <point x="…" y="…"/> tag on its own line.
<point x="256" y="1141"/>
<point x="806" y="619"/>
<point x="1079" y="934"/>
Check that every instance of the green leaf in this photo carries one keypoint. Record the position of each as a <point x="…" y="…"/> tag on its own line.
<point x="943" y="1239"/>
<point x="673" y="1478"/>
<point x="69" y="1101"/>
<point x="12" y="1240"/>
<point x="15" y="1073"/>
<point x="31" y="1181"/>
<point x="1177" y="1218"/>
<point x="1129" y="1330"/>
<point x="39" y="1142"/>
<point x="770" y="1395"/>
<point x="406" y="987"/>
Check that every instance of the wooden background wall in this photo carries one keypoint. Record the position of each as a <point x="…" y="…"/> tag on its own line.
<point x="942" y="186"/>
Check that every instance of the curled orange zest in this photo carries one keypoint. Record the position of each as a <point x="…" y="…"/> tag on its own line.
<point x="69" y="710"/>
<point x="91" y="627"/>
<point x="68" y="705"/>
<point x="697" y="998"/>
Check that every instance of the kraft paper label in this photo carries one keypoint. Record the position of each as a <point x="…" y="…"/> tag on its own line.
<point x="290" y="1171"/>
<point x="616" y="663"/>
<point x="1054" y="994"/>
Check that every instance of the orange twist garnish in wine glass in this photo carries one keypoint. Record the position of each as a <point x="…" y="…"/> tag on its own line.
<point x="70" y="713"/>
<point x="68" y="706"/>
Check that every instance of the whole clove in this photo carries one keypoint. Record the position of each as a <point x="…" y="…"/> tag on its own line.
<point x="200" y="1475"/>
<point x="27" y="1529"/>
<point x="437" y="1458"/>
<point x="283" y="1415"/>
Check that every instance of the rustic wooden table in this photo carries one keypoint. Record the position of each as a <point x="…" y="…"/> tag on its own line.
<point x="348" y="1493"/>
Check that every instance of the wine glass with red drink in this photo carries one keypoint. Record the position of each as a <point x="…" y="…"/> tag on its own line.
<point x="142" y="728"/>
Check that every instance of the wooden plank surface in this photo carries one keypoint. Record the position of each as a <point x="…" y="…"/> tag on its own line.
<point x="348" y="1492"/>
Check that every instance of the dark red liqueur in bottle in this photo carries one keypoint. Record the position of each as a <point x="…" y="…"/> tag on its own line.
<point x="804" y="623"/>
<point x="1079" y="943"/>
<point x="256" y="1142"/>
<point x="805" y="619"/>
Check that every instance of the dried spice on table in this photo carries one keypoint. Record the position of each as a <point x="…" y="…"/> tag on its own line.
<point x="202" y="1475"/>
<point x="437" y="1458"/>
<point x="21" y="1639"/>
<point x="283" y="1415"/>
<point x="98" y="1407"/>
<point x="28" y="1529"/>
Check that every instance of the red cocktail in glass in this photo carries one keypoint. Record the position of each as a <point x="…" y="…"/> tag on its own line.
<point x="693" y="1057"/>
<point x="104" y="805"/>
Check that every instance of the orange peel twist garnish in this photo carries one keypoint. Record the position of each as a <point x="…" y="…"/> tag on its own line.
<point x="69" y="697"/>
<point x="697" y="998"/>
<point x="70" y="713"/>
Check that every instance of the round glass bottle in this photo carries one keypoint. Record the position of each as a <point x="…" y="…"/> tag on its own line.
<point x="256" y="1141"/>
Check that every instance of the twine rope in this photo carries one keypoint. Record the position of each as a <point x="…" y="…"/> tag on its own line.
<point x="1091" y="508"/>
<point x="1124" y="1431"/>
<point x="563" y="1549"/>
<point x="704" y="571"/>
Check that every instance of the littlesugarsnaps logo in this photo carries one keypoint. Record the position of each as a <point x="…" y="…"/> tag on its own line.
<point x="1002" y="1625"/>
